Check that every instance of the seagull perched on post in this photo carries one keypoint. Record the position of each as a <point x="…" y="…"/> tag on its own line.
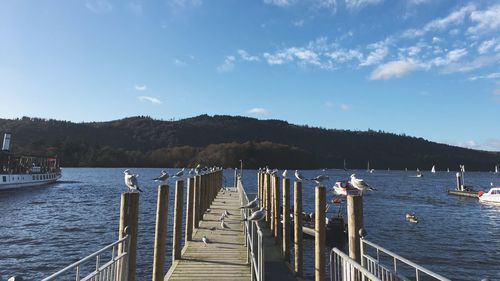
<point x="163" y="177"/>
<point x="197" y="169"/>
<point x="298" y="176"/>
<point x="319" y="179"/>
<point x="274" y="172"/>
<point x="257" y="215"/>
<point x="360" y="183"/>
<point x="191" y="172"/>
<point x="131" y="181"/>
<point x="285" y="174"/>
<point x="179" y="174"/>
<point x="252" y="204"/>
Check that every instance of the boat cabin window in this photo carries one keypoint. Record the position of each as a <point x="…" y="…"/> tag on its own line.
<point x="4" y="178"/>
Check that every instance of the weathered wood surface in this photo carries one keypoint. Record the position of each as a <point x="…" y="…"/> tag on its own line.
<point x="224" y="258"/>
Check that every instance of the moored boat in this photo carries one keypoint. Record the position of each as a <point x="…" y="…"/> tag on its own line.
<point x="492" y="196"/>
<point x="343" y="188"/>
<point x="18" y="171"/>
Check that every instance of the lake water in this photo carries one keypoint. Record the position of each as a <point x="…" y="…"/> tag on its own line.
<point x="45" y="229"/>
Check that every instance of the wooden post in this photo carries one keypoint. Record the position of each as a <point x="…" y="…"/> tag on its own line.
<point x="297" y="227"/>
<point x="202" y="195"/>
<point x="176" y="239"/>
<point x="189" y="209"/>
<point x="268" y="197"/>
<point x="319" y="234"/>
<point x="271" y="206"/>
<point x="286" y="219"/>
<point x="196" y="201"/>
<point x="276" y="187"/>
<point x="354" y="224"/>
<point x="160" y="233"/>
<point x="129" y="217"/>
<point x="259" y="187"/>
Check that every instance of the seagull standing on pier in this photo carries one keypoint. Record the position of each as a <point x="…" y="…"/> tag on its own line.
<point x="226" y="214"/>
<point x="204" y="239"/>
<point x="179" y="174"/>
<point x="223" y="225"/>
<point x="298" y="176"/>
<point x="131" y="181"/>
<point x="163" y="177"/>
<point x="252" y="204"/>
<point x="360" y="184"/>
<point x="319" y="179"/>
<point x="257" y="215"/>
<point x="285" y="174"/>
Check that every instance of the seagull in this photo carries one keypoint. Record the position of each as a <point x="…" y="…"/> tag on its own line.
<point x="204" y="239"/>
<point x="298" y="176"/>
<point x="221" y="217"/>
<point x="226" y="214"/>
<point x="257" y="215"/>
<point x="131" y="181"/>
<point x="360" y="183"/>
<point x="274" y="172"/>
<point x="252" y="204"/>
<point x="223" y="224"/>
<point x="191" y="172"/>
<point x="197" y="169"/>
<point x="179" y="174"/>
<point x="319" y="179"/>
<point x="163" y="176"/>
<point x="285" y="174"/>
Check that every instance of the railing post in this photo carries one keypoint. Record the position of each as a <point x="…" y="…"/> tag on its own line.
<point x="286" y="219"/>
<point x="160" y="233"/>
<point x="297" y="218"/>
<point x="268" y="197"/>
<point x="276" y="210"/>
<point x="197" y="202"/>
<point x="129" y="217"/>
<point x="189" y="209"/>
<point x="319" y="229"/>
<point x="354" y="224"/>
<point x="176" y="240"/>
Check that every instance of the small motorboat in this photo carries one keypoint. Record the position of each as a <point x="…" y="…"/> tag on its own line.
<point x="343" y="188"/>
<point x="411" y="217"/>
<point x="492" y="196"/>
<point x="336" y="231"/>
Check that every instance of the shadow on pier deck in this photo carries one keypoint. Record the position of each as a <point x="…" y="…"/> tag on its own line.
<point x="225" y="255"/>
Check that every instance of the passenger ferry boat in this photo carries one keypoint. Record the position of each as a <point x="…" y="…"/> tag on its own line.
<point x="17" y="171"/>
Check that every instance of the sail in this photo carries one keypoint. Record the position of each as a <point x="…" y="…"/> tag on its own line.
<point x="433" y="170"/>
<point x="496" y="169"/>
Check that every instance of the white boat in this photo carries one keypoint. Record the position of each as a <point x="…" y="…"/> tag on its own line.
<point x="419" y="174"/>
<point x="343" y="188"/>
<point x="492" y="196"/>
<point x="496" y="169"/>
<point x="18" y="171"/>
<point x="433" y="169"/>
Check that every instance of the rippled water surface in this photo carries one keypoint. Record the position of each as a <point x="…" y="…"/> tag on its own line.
<point x="45" y="229"/>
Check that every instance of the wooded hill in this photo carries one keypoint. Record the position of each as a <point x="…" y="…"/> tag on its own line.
<point x="224" y="140"/>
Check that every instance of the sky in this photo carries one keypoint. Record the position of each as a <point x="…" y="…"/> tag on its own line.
<point x="424" y="68"/>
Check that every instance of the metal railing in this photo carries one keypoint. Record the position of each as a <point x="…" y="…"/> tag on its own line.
<point x="253" y="238"/>
<point x="109" y="266"/>
<point x="343" y="268"/>
<point x="387" y="265"/>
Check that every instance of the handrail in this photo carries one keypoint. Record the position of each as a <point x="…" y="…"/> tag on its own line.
<point x="396" y="258"/>
<point x="343" y="268"/>
<point x="253" y="238"/>
<point x="76" y="265"/>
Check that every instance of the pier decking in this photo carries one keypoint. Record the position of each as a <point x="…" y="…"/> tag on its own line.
<point x="225" y="255"/>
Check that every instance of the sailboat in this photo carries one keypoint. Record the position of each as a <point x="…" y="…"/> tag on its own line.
<point x="496" y="169"/>
<point x="433" y="170"/>
<point x="448" y="170"/>
<point x="419" y="174"/>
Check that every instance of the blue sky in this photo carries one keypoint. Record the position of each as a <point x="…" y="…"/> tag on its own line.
<point x="424" y="68"/>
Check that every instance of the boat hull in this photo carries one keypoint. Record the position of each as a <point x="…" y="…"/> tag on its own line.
<point x="15" y="181"/>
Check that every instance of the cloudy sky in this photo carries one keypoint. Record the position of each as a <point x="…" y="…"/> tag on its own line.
<point x="426" y="68"/>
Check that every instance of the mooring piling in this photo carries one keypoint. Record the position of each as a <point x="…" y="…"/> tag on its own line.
<point x="160" y="233"/>
<point x="129" y="217"/>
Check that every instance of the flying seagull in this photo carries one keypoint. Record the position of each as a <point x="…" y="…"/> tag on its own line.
<point x="252" y="204"/>
<point x="298" y="176"/>
<point x="179" y="174"/>
<point x="360" y="183"/>
<point x="131" y="181"/>
<point x="163" y="176"/>
<point x="257" y="215"/>
<point x="319" y="179"/>
<point x="204" y="239"/>
<point x="285" y="174"/>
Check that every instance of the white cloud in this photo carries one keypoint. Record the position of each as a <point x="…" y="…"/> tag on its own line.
<point x="329" y="104"/>
<point x="257" y="110"/>
<point x="469" y="144"/>
<point x="358" y="4"/>
<point x="393" y="69"/>
<point x="485" y="20"/>
<point x="179" y="62"/>
<point x="184" y="4"/>
<point x="378" y="53"/>
<point x="227" y="65"/>
<point x="299" y="23"/>
<point x="343" y="55"/>
<point x="494" y="75"/>
<point x="345" y="107"/>
<point x="451" y="57"/>
<point x="149" y="99"/>
<point x="280" y="3"/>
<point x="301" y="55"/>
<point x="327" y="4"/>
<point x="246" y="57"/>
<point x="436" y="40"/>
<point x="471" y="65"/>
<point x="486" y="45"/>
<point x="99" y="6"/>
<point x="141" y="88"/>
<point x="455" y="17"/>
